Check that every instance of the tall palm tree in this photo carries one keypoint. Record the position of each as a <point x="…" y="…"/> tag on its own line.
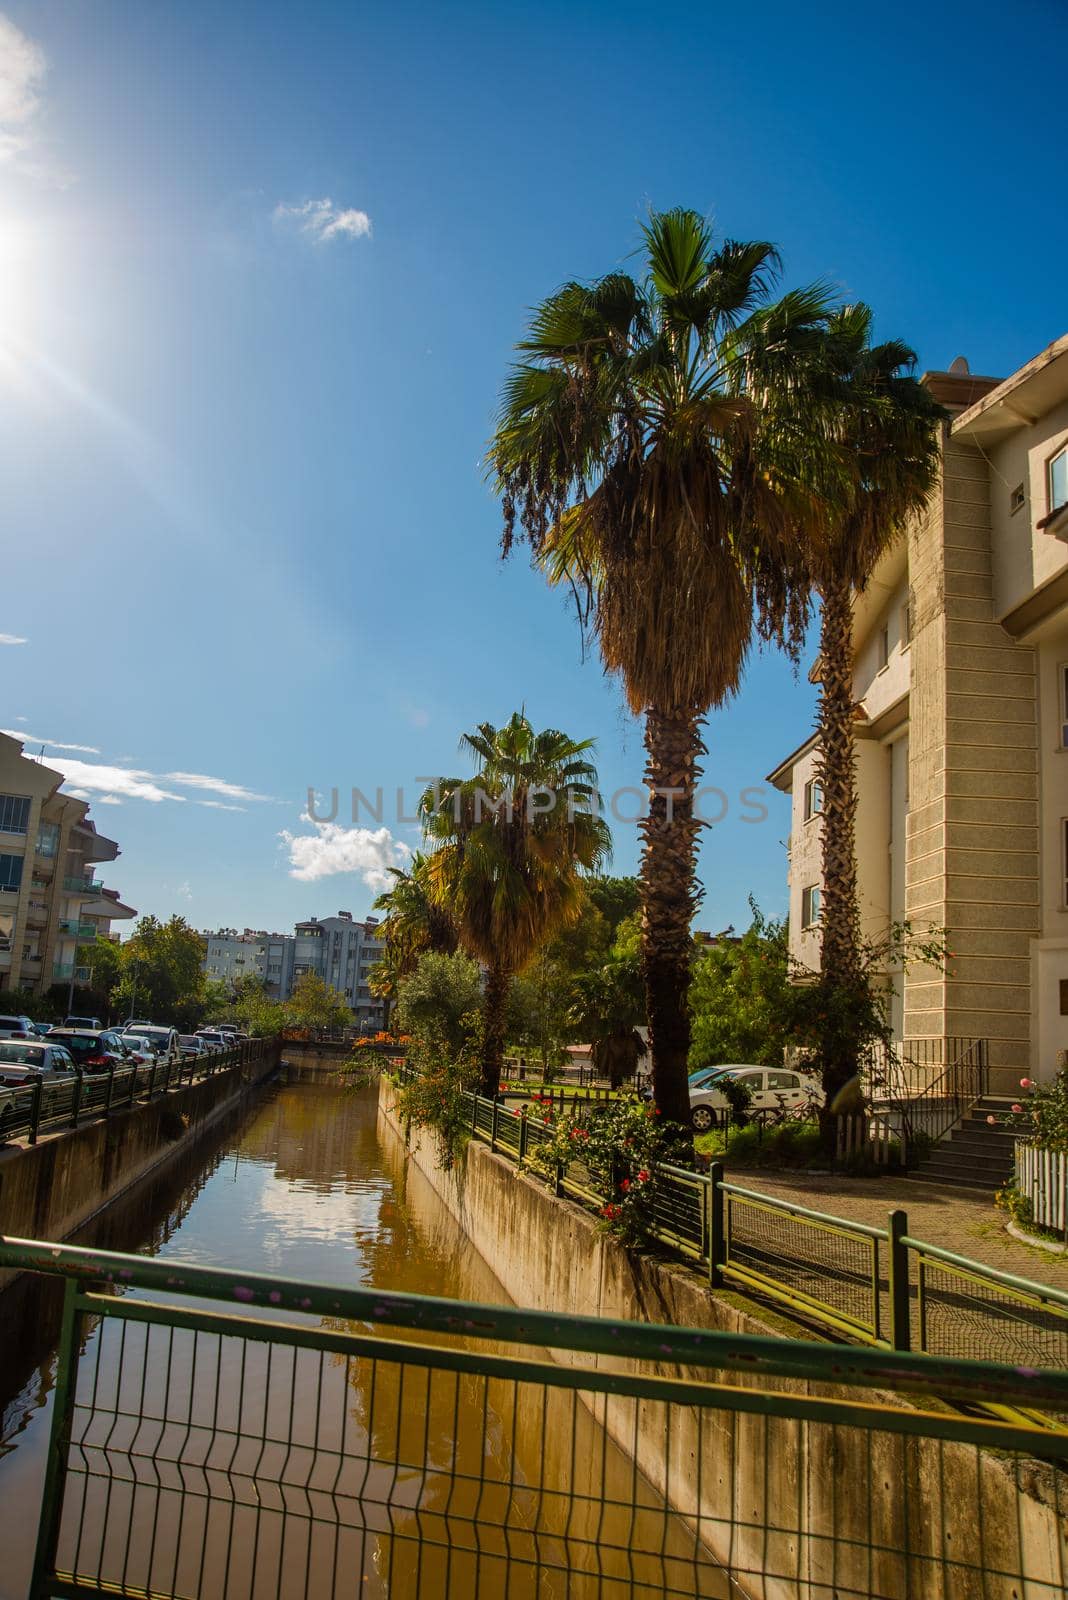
<point x="512" y="845"/>
<point x="414" y="921"/>
<point x="868" y="436"/>
<point x="627" y="454"/>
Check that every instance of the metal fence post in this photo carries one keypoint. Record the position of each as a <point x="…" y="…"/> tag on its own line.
<point x="522" y="1135"/>
<point x="77" y="1102"/>
<point x="716" y="1238"/>
<point x="35" y="1110"/>
<point x="898" y="1277"/>
<point x="111" y="1086"/>
<point x="56" y="1461"/>
<point x="493" y="1125"/>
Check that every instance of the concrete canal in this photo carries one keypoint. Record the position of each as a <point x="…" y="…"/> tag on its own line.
<point x="304" y="1184"/>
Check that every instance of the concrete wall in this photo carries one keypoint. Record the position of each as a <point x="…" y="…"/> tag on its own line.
<point x="50" y="1189"/>
<point x="918" y="1499"/>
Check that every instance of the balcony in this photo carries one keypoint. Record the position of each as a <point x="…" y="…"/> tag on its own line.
<point x="63" y="971"/>
<point x="84" y="932"/>
<point x="36" y="913"/>
<point x="83" y="885"/>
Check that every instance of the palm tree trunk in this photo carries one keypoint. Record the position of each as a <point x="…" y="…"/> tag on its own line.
<point x="669" y="896"/>
<point x="842" y="973"/>
<point x="493" y="1013"/>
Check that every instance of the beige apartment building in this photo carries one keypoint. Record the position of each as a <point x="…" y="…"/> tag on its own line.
<point x="52" y="902"/>
<point x="961" y="681"/>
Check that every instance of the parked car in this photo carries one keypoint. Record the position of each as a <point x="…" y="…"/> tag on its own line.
<point x="140" y="1051"/>
<point x="136" y="1024"/>
<point x="163" y="1040"/>
<point x="770" y="1088"/>
<point x="17" y="1027"/>
<point x="93" y="1023"/>
<point x="94" y="1049"/>
<point x="42" y="1029"/>
<point x="191" y="1044"/>
<point x="216" y="1040"/>
<point x="24" y="1063"/>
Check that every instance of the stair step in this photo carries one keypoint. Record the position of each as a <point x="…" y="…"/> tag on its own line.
<point x="966" y="1163"/>
<point x="951" y="1180"/>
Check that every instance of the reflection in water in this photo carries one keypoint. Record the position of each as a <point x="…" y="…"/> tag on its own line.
<point x="223" y="1466"/>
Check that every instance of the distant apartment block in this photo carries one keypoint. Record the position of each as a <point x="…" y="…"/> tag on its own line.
<point x="961" y="683"/>
<point x="340" y="950"/>
<point x="53" y="904"/>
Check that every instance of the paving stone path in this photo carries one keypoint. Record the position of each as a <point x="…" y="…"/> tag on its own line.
<point x="962" y="1220"/>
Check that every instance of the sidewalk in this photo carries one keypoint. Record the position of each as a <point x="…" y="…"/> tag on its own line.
<point x="964" y="1221"/>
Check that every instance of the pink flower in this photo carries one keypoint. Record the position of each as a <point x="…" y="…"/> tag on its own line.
<point x="993" y="1121"/>
<point x="643" y="1177"/>
<point x="1017" y="1109"/>
<point x="1025" y="1083"/>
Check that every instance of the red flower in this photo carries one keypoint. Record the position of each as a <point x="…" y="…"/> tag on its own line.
<point x="625" y="1185"/>
<point x="643" y="1177"/>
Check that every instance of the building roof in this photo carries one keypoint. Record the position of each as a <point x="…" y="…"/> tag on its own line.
<point x="782" y="777"/>
<point x="1021" y="399"/>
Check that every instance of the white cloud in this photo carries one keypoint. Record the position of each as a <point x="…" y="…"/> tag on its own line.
<point x="332" y="849"/>
<point x="12" y="638"/>
<point x="321" y="220"/>
<point x="184" y="890"/>
<point x="113" y="781"/>
<point x="97" y="799"/>
<point x="218" y="805"/>
<point x="53" y="744"/>
<point x="198" y="780"/>
<point x="22" y="70"/>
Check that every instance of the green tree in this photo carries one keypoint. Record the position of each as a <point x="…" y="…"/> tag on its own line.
<point x="512" y="845"/>
<point x="607" y="1008"/>
<point x="315" y="1005"/>
<point x="161" y="973"/>
<point x="628" y="453"/>
<point x="744" y="1005"/>
<point x="415" y="921"/>
<point x="441" y="998"/>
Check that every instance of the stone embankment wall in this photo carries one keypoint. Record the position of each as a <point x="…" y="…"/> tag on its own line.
<point x="854" y="1511"/>
<point x="50" y="1189"/>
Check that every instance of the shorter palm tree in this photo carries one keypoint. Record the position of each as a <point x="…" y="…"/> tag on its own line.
<point x="512" y="846"/>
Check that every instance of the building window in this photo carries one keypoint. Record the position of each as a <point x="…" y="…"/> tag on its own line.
<point x="1064" y="861"/>
<point x="10" y="872"/>
<point x="1062" y="674"/>
<point x="14" y="813"/>
<point x="1017" y="500"/>
<point x="48" y="839"/>
<point x="884" y="646"/>
<point x="1057" y="479"/>
<point x="810" y="906"/>
<point x="813" y="799"/>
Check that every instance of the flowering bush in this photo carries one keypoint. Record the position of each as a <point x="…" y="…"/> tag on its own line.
<point x="1042" y="1118"/>
<point x="618" y="1148"/>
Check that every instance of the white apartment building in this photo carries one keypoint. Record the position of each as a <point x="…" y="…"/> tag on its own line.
<point x="340" y="950"/>
<point x="961" y="683"/>
<point x="230" y="955"/>
<point x="52" y="902"/>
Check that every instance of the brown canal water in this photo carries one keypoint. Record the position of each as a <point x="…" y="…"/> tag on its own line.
<point x="304" y="1185"/>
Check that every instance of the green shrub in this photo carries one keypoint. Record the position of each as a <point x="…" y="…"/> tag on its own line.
<point x="622" y="1146"/>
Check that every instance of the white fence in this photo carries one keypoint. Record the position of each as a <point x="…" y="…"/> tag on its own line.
<point x="871" y="1136"/>
<point x="1042" y="1175"/>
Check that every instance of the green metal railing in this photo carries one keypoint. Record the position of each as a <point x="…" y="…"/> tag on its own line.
<point x="871" y="1285"/>
<point x="83" y="885"/>
<point x="222" y="1434"/>
<point x="27" y="1112"/>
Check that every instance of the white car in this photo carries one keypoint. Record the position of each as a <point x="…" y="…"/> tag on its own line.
<point x="17" y="1027"/>
<point x="24" y="1063"/>
<point x="164" y="1041"/>
<point x="770" y="1089"/>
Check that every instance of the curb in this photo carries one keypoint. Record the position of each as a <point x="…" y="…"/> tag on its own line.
<point x="1041" y="1244"/>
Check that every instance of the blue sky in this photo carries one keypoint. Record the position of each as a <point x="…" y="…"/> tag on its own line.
<point x="261" y="269"/>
